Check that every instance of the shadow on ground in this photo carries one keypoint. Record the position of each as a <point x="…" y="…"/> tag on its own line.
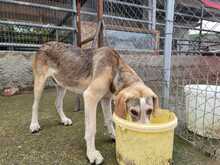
<point x="56" y="144"/>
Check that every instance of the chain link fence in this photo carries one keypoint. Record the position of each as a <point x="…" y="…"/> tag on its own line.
<point x="195" y="86"/>
<point x="88" y="16"/>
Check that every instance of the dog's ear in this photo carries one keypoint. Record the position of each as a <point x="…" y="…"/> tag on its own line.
<point x="156" y="104"/>
<point x="120" y="106"/>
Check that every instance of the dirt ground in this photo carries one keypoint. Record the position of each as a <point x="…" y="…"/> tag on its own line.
<point x="56" y="144"/>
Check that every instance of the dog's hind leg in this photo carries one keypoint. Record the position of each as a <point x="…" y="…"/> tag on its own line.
<point x="39" y="82"/>
<point x="107" y="113"/>
<point x="59" y="105"/>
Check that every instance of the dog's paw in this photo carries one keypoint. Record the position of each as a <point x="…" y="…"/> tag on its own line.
<point x="112" y="136"/>
<point x="34" y="127"/>
<point x="66" y="121"/>
<point x="95" y="157"/>
<point x="111" y="132"/>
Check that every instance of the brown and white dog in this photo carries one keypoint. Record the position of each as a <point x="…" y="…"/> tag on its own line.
<point x="98" y="74"/>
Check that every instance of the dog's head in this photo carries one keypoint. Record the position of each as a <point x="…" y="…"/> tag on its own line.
<point x="139" y="102"/>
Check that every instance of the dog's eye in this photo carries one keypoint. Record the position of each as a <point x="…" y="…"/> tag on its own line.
<point x="149" y="111"/>
<point x="133" y="112"/>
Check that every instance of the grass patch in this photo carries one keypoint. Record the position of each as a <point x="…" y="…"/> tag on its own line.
<point x="56" y="144"/>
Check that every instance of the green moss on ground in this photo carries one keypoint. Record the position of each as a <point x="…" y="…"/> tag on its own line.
<point x="55" y="143"/>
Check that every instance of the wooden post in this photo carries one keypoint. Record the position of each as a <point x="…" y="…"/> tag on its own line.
<point x="100" y="9"/>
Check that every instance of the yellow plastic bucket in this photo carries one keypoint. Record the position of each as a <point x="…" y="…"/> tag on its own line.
<point x="145" y="144"/>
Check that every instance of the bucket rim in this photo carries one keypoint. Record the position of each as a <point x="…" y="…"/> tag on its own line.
<point x="145" y="127"/>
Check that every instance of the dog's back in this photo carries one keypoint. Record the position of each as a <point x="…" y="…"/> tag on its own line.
<point x="72" y="66"/>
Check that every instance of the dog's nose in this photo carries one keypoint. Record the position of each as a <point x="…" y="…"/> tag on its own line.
<point x="149" y="111"/>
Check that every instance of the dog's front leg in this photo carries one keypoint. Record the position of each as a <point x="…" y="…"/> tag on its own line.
<point x="90" y="101"/>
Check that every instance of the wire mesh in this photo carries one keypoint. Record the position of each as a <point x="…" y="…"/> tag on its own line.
<point x="88" y="21"/>
<point x="25" y="25"/>
<point x="127" y="27"/>
<point x="195" y="87"/>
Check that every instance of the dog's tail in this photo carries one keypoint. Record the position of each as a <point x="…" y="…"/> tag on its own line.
<point x="40" y="60"/>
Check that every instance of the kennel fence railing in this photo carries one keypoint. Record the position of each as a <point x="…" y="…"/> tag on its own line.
<point x="26" y="24"/>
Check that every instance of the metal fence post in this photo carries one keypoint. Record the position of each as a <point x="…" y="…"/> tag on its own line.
<point x="100" y="9"/>
<point x="78" y="22"/>
<point x="74" y="40"/>
<point x="152" y="14"/>
<point x="168" y="51"/>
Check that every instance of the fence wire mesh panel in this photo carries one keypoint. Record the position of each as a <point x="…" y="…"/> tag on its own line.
<point x="128" y="27"/>
<point x="88" y="22"/>
<point x="26" y="24"/>
<point x="195" y="85"/>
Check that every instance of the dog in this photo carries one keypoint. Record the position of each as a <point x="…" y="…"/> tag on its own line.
<point x="97" y="74"/>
